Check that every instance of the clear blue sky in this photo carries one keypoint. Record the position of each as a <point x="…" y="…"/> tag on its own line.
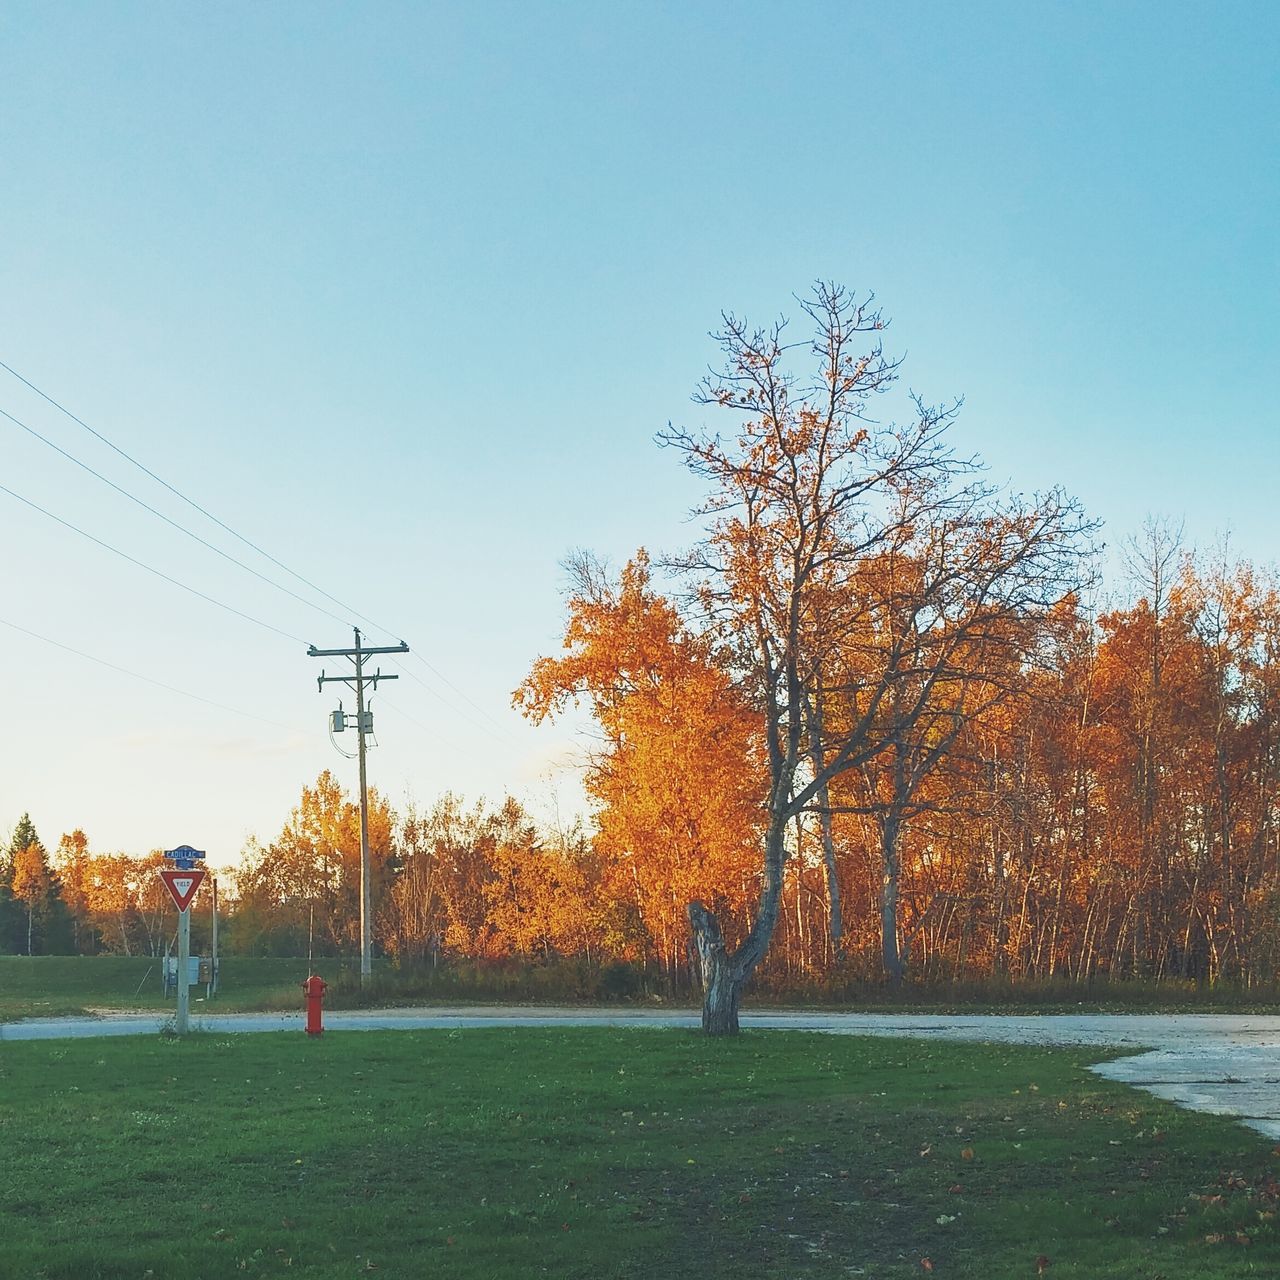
<point x="402" y="292"/>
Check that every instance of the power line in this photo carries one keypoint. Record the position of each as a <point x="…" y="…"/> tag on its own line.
<point x="160" y="515"/>
<point x="135" y="675"/>
<point x="178" y="492"/>
<point x="124" y="555"/>
<point x="439" y="675"/>
<point x="497" y="733"/>
<point x="397" y="709"/>
<point x="435" y="671"/>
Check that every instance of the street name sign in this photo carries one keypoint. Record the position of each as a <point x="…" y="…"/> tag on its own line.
<point x="182" y="886"/>
<point x="184" y="856"/>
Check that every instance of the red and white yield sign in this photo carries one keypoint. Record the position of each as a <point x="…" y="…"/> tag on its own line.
<point x="182" y="885"/>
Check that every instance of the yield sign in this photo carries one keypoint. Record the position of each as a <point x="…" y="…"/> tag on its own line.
<point x="182" y="886"/>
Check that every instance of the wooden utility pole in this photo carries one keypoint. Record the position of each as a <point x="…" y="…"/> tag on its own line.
<point x="364" y="725"/>
<point x="212" y="988"/>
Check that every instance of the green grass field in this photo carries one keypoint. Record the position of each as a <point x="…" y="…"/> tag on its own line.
<point x="61" y="985"/>
<point x="510" y="1153"/>
<point x="44" y="986"/>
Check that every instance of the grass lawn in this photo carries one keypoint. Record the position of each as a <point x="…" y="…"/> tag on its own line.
<point x="62" y="985"/>
<point x="600" y="1153"/>
<point x="44" y="986"/>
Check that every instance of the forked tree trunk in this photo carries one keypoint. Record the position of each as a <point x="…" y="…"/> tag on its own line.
<point x="723" y="975"/>
<point x="721" y="982"/>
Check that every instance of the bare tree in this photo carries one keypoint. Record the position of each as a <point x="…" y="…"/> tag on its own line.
<point x="810" y="496"/>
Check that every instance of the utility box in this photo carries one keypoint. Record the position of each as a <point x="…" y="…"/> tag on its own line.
<point x="195" y="971"/>
<point x="366" y="722"/>
<point x="337" y="721"/>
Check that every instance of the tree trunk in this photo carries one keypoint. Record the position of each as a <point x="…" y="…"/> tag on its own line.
<point x="894" y="966"/>
<point x="835" y="920"/>
<point x="721" y="983"/>
<point x="724" y="975"/>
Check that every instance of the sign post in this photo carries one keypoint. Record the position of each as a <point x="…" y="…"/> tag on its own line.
<point x="182" y="880"/>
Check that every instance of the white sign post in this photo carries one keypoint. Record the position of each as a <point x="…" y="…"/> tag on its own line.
<point x="182" y="880"/>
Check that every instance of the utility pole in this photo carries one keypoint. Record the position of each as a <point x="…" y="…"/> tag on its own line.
<point x="364" y="725"/>
<point x="212" y="988"/>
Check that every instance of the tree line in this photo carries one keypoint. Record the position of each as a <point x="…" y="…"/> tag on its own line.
<point x="1112" y="813"/>
<point x="868" y="726"/>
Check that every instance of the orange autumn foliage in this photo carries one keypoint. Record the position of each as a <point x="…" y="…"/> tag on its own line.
<point x="676" y="778"/>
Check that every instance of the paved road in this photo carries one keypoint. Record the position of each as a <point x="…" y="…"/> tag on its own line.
<point x="1227" y="1064"/>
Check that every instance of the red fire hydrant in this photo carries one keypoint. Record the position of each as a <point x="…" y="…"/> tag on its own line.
<point x="314" y="988"/>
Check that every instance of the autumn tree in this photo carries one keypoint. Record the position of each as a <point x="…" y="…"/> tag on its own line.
<point x="463" y="840"/>
<point x="36" y="888"/>
<point x="307" y="881"/>
<point x="1186" y="768"/>
<point x="676" y="776"/>
<point x="1125" y="815"/>
<point x="413" y="915"/>
<point x="111" y="896"/>
<point x="31" y="879"/>
<point x="127" y="909"/>
<point x="73" y="864"/>
<point x="485" y="882"/>
<point x="809" y="491"/>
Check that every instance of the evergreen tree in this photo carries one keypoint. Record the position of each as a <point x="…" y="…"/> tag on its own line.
<point x="35" y="888"/>
<point x="10" y="916"/>
<point x="11" y="913"/>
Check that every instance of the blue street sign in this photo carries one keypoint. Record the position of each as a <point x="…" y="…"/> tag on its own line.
<point x="184" y="856"/>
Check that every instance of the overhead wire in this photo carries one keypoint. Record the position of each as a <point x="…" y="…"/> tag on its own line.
<point x="137" y="675"/>
<point x="398" y="710"/>
<point x="439" y="675"/>
<point x="501" y="731"/>
<point x="497" y="732"/>
<point x="124" y="555"/>
<point x="44" y="395"/>
<point x="160" y="515"/>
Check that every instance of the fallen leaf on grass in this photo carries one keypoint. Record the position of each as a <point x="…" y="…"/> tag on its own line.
<point x="926" y="1264"/>
<point x="1042" y="1264"/>
<point x="966" y="1154"/>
